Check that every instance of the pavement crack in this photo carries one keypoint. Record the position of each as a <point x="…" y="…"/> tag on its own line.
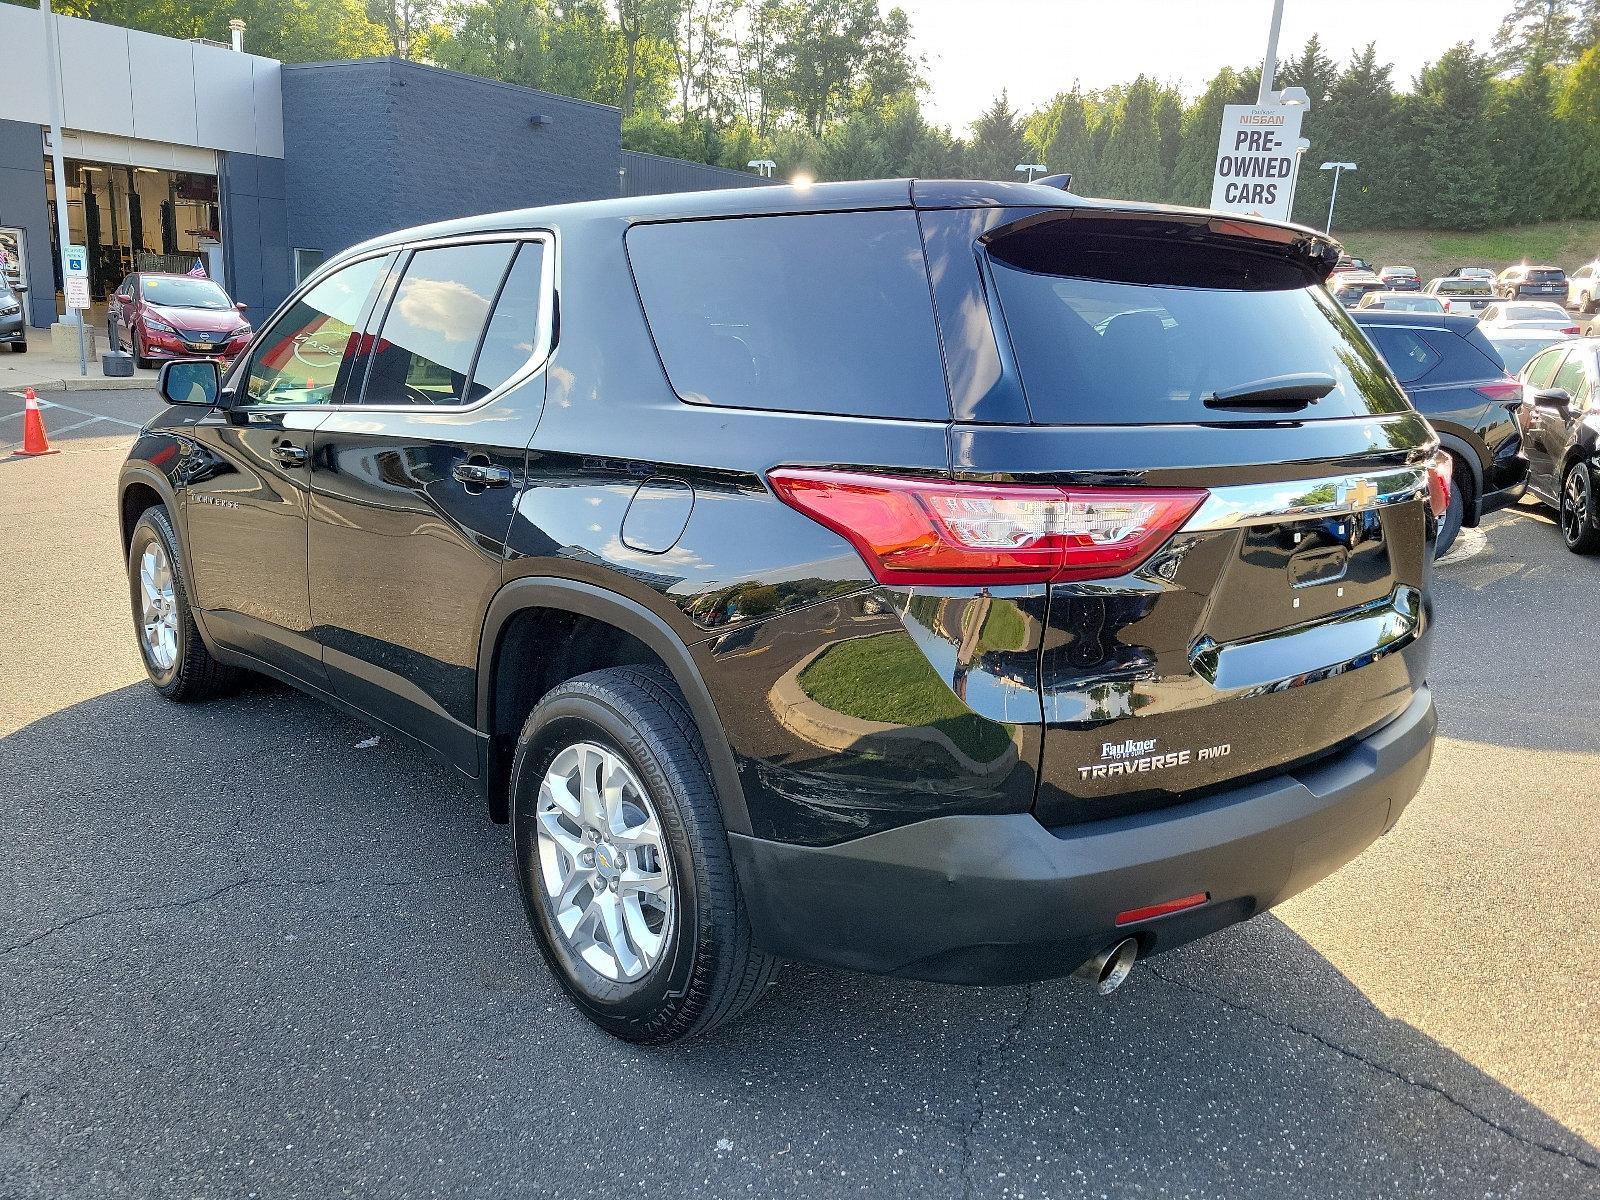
<point x="215" y="893"/>
<point x="10" y="1114"/>
<point x="990" y="1065"/>
<point x="1355" y="1055"/>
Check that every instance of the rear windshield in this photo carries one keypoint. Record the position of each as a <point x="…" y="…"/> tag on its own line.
<point x="824" y="313"/>
<point x="1546" y="276"/>
<point x="1142" y="332"/>
<point x="1464" y="287"/>
<point x="1515" y="352"/>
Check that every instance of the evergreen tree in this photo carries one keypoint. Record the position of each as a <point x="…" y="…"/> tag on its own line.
<point x="1058" y="136"/>
<point x="1529" y="147"/>
<point x="1202" y="125"/>
<point x="997" y="144"/>
<point x="1130" y="166"/>
<point x="1456" y="185"/>
<point x="1578" y="108"/>
<point x="1357" y="122"/>
<point x="1537" y="33"/>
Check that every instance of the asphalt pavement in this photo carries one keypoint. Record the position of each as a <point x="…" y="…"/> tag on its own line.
<point x="246" y="951"/>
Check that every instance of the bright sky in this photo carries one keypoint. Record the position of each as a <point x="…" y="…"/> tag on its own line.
<point x="1036" y="48"/>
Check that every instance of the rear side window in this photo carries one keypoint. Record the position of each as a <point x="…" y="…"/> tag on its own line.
<point x="1408" y="355"/>
<point x="424" y="352"/>
<point x="1544" y="370"/>
<point x="824" y="313"/>
<point x="1113" y="331"/>
<point x="509" y="342"/>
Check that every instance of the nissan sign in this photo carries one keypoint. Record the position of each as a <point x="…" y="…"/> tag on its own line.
<point x="1256" y="160"/>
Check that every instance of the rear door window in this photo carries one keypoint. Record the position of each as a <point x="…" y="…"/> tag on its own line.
<point x="823" y="313"/>
<point x="1544" y="367"/>
<point x="1409" y="356"/>
<point x="1114" y="331"/>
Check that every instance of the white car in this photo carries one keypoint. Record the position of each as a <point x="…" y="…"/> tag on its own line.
<point x="1527" y="314"/>
<point x="1583" y="288"/>
<point x="1516" y="346"/>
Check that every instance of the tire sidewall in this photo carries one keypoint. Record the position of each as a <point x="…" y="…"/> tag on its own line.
<point x="1450" y="523"/>
<point x="155" y="528"/>
<point x="644" y="1008"/>
<point x="1586" y="527"/>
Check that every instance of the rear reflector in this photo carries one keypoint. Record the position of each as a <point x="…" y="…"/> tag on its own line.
<point x="1440" y="469"/>
<point x="931" y="531"/>
<point x="1134" y="915"/>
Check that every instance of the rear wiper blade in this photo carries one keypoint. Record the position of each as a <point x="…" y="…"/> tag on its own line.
<point x="1279" y="393"/>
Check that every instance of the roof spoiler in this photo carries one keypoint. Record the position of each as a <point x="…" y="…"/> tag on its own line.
<point x="1315" y="252"/>
<point x="1062" y="181"/>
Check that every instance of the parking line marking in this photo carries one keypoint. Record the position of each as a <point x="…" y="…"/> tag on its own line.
<point x="83" y="412"/>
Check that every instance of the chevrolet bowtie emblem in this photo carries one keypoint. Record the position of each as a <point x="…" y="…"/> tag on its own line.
<point x="1361" y="493"/>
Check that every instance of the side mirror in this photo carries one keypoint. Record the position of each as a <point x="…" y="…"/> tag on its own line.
<point x="21" y="289"/>
<point x="1556" y="398"/>
<point x="241" y="306"/>
<point x="190" y="381"/>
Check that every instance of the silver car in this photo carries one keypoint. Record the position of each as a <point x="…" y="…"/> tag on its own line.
<point x="13" y="320"/>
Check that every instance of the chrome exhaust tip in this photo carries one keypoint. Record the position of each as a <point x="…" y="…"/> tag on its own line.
<point x="1107" y="970"/>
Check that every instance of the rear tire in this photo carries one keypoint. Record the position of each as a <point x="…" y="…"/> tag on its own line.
<point x="175" y="656"/>
<point x="680" y="961"/>
<point x="1579" y="529"/>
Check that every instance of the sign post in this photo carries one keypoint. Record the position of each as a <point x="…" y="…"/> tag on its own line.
<point x="75" y="282"/>
<point x="1256" y="159"/>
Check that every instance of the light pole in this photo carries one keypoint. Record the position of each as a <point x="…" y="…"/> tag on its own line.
<point x="764" y="166"/>
<point x="1338" y="169"/>
<point x="1300" y="148"/>
<point x="1030" y="168"/>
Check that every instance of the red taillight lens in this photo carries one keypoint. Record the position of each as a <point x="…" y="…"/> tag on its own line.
<point x="926" y="531"/>
<point x="1439" y="471"/>
<point x="1504" y="390"/>
<point x="1572" y="329"/>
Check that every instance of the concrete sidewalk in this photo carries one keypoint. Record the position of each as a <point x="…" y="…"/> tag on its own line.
<point x="47" y="368"/>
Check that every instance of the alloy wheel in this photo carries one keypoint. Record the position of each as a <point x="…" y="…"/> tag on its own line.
<point x="1575" y="505"/>
<point x="158" y="607"/>
<point x="603" y="862"/>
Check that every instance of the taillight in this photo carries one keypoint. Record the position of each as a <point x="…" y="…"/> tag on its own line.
<point x="926" y="531"/>
<point x="1439" y="483"/>
<point x="1500" y="392"/>
<point x="1572" y="329"/>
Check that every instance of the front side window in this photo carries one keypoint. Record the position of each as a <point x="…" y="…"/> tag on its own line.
<point x="1572" y="380"/>
<point x="424" y="352"/>
<point x="304" y="357"/>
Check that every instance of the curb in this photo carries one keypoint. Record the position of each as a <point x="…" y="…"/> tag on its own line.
<point x="91" y="383"/>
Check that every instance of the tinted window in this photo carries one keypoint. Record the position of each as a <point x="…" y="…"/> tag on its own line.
<point x="424" y="351"/>
<point x="514" y="328"/>
<point x="1096" y="352"/>
<point x="300" y="358"/>
<point x="1544" y="369"/>
<point x="827" y="313"/>
<point x="1515" y="352"/>
<point x="1408" y="355"/>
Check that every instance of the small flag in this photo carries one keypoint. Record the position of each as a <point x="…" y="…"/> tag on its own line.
<point x="198" y="270"/>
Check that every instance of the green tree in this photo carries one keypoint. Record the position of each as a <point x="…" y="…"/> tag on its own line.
<point x="1577" y="106"/>
<point x="1059" y="136"/>
<point x="1539" y="33"/>
<point x="1529" y="147"/>
<point x="1455" y="182"/>
<point x="1202" y="125"/>
<point x="997" y="144"/>
<point x="1357" y="121"/>
<point x="1130" y="166"/>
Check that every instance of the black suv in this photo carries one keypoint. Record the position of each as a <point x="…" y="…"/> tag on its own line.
<point x="1455" y="377"/>
<point x="964" y="581"/>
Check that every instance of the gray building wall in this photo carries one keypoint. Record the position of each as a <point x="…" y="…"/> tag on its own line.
<point x="653" y="174"/>
<point x="255" y="237"/>
<point x="380" y="144"/>
<point x="22" y="203"/>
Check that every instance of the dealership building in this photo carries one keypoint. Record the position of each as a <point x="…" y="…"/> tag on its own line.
<point x="174" y="151"/>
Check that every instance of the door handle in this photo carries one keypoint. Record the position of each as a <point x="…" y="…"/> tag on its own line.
<point x="290" y="455"/>
<point x="481" y="474"/>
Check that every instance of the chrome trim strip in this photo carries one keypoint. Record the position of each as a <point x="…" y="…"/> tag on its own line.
<point x="1306" y="499"/>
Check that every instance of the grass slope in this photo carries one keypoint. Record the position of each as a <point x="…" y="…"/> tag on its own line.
<point x="1566" y="244"/>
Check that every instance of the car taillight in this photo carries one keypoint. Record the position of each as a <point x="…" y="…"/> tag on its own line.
<point x="1572" y="329"/>
<point x="1500" y="391"/>
<point x="928" y="531"/>
<point x="1439" y="472"/>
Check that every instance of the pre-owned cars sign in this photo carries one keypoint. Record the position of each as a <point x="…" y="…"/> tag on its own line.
<point x="1256" y="160"/>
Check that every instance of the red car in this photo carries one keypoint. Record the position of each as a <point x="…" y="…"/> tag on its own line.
<point x="161" y="315"/>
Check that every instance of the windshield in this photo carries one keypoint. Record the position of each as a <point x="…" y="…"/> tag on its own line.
<point x="1102" y="352"/>
<point x="181" y="291"/>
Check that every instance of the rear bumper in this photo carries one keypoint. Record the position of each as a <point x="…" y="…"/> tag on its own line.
<point x="1002" y="899"/>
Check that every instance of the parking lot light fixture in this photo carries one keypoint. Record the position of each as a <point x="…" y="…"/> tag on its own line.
<point x="1031" y="168"/>
<point x="1338" y="168"/>
<point x="764" y="166"/>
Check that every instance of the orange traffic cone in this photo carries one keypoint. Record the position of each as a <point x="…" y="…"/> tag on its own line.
<point x="34" y="441"/>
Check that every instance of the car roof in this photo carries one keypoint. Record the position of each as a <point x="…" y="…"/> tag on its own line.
<point x="795" y="200"/>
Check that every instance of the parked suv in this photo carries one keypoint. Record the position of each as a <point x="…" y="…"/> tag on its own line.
<point x="1562" y="426"/>
<point x="1583" y="288"/>
<point x="1523" y="282"/>
<point x="962" y="581"/>
<point x="1453" y="376"/>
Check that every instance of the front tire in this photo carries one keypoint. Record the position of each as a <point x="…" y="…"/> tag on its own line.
<point x="175" y="657"/>
<point x="1578" y="525"/>
<point x="623" y="860"/>
<point x="19" y="347"/>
